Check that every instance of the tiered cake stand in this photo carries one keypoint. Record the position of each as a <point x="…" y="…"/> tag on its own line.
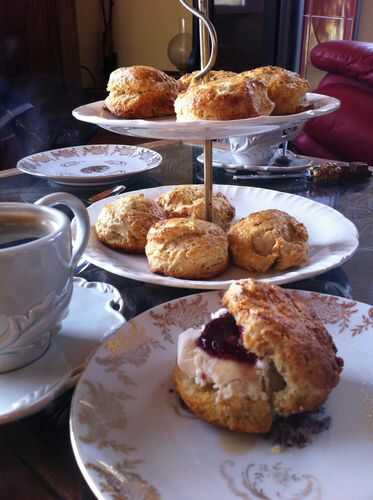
<point x="204" y="130"/>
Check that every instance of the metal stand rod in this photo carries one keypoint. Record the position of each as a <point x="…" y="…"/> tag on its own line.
<point x="207" y="169"/>
<point x="208" y="50"/>
<point x="207" y="148"/>
<point x="204" y="41"/>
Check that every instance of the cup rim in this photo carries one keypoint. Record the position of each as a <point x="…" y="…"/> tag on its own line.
<point x="59" y="217"/>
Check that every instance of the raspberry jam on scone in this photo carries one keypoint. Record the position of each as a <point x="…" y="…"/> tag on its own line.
<point x="221" y="337"/>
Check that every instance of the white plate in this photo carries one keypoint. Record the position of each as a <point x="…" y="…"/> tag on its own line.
<point x="133" y="440"/>
<point x="90" y="319"/>
<point x="333" y="239"/>
<point x="169" y="128"/>
<point x="92" y="165"/>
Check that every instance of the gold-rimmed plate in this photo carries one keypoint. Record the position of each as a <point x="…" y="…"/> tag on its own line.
<point x="133" y="440"/>
<point x="91" y="165"/>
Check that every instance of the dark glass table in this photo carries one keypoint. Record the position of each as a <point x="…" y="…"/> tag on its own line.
<point x="36" y="460"/>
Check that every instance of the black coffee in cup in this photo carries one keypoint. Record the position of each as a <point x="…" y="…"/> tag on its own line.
<point x="18" y="230"/>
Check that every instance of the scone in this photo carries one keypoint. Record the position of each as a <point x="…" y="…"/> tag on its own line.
<point x="226" y="99"/>
<point x="187" y="248"/>
<point x="189" y="201"/>
<point x="189" y="79"/>
<point x="285" y="88"/>
<point x="141" y="92"/>
<point x="268" y="240"/>
<point x="265" y="354"/>
<point x="124" y="224"/>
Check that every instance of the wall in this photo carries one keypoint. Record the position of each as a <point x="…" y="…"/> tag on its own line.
<point x="90" y="27"/>
<point x="366" y="22"/>
<point x="143" y="28"/>
<point x="141" y="32"/>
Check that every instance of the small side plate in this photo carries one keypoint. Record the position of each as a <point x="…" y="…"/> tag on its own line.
<point x="91" y="165"/>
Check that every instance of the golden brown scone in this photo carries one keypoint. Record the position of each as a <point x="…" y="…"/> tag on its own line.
<point x="237" y="413"/>
<point x="295" y="362"/>
<point x="188" y="79"/>
<point x="124" y="223"/>
<point x="189" y="201"/>
<point x="187" y="248"/>
<point x="226" y="99"/>
<point x="285" y="88"/>
<point x="268" y="240"/>
<point x="287" y="334"/>
<point x="141" y="92"/>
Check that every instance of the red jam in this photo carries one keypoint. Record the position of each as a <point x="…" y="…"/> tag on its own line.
<point x="221" y="338"/>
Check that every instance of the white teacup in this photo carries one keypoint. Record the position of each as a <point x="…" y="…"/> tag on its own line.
<point x="37" y="263"/>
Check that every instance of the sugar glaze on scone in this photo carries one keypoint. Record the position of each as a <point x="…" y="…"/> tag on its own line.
<point x="266" y="354"/>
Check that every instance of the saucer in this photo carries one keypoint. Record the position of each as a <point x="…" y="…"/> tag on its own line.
<point x="91" y="165"/>
<point x="93" y="315"/>
<point x="235" y="162"/>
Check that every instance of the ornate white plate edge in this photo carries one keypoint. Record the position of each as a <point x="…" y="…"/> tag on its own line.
<point x="113" y="306"/>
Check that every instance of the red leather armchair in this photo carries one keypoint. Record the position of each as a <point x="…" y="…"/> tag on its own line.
<point x="346" y="134"/>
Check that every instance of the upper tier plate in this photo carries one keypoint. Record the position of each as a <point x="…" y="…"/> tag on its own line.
<point x="169" y="128"/>
<point x="332" y="238"/>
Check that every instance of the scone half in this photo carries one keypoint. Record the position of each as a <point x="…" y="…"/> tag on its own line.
<point x="239" y="414"/>
<point x="284" y="332"/>
<point x="266" y="354"/>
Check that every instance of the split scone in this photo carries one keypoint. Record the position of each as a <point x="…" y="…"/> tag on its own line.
<point x="189" y="79"/>
<point x="285" y="88"/>
<point x="187" y="248"/>
<point x="124" y="224"/>
<point x="189" y="201"/>
<point x="227" y="99"/>
<point x="266" y="354"/>
<point x="141" y="92"/>
<point x="270" y="240"/>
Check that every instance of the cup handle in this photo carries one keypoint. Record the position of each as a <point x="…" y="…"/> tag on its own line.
<point x="238" y="149"/>
<point x="82" y="220"/>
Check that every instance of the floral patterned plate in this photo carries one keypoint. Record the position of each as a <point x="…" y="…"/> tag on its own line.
<point x="91" y="165"/>
<point x="332" y="238"/>
<point x="134" y="441"/>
